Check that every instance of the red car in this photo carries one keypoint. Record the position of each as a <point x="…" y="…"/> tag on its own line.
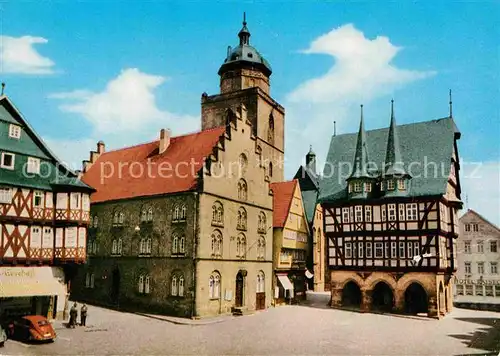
<point x="31" y="328"/>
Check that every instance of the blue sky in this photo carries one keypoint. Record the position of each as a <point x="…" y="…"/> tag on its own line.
<point x="120" y="71"/>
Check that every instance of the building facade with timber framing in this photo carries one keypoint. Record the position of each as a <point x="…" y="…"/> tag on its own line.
<point x="391" y="217"/>
<point x="44" y="215"/>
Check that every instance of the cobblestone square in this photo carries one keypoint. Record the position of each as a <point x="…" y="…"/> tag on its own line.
<point x="306" y="329"/>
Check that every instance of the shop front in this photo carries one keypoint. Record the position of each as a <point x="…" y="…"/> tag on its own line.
<point x="32" y="291"/>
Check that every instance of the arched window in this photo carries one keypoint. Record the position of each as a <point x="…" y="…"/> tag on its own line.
<point x="181" y="286"/>
<point x="96" y="221"/>
<point x="183" y="213"/>
<point x="114" y="247"/>
<point x="214" y="285"/>
<point x="270" y="133"/>
<point x="141" y="284"/>
<point x="182" y="247"/>
<point x="242" y="190"/>
<point x="175" y="244"/>
<point x="142" y="244"/>
<point x="146" y="284"/>
<point x="261" y="248"/>
<point x="116" y="218"/>
<point x="261" y="282"/>
<point x="87" y="280"/>
<point x="242" y="162"/>
<point x="174" y="287"/>
<point x="92" y="280"/>
<point x="120" y="245"/>
<point x="216" y="244"/>
<point x="176" y="213"/>
<point x="144" y="215"/>
<point x="150" y="214"/>
<point x="262" y="223"/>
<point x="121" y="218"/>
<point x="270" y="169"/>
<point x="241" y="246"/>
<point x="242" y="219"/>
<point x="217" y="214"/>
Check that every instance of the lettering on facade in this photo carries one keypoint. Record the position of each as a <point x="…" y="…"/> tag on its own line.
<point x="17" y="273"/>
<point x="478" y="281"/>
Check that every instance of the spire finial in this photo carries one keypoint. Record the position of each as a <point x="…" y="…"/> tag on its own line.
<point x="451" y="106"/>
<point x="310" y="147"/>
<point x="244" y="34"/>
<point x="361" y="111"/>
<point x="244" y="18"/>
<point x="3" y="88"/>
<point x="392" y="108"/>
<point x="335" y="128"/>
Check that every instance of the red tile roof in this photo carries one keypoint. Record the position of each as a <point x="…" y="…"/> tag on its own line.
<point x="282" y="201"/>
<point x="140" y="171"/>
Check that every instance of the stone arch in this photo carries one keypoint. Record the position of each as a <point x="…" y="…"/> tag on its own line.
<point x="375" y="278"/>
<point x="382" y="296"/>
<point x="416" y="298"/>
<point x="351" y="294"/>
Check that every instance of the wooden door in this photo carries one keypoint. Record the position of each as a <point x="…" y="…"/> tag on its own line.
<point x="260" y="301"/>
<point x="239" y="290"/>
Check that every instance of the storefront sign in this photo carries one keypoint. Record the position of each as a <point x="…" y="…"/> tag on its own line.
<point x="477" y="281"/>
<point x="31" y="281"/>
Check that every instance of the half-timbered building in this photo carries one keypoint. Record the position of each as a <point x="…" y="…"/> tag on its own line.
<point x="44" y="214"/>
<point x="390" y="198"/>
<point x="183" y="225"/>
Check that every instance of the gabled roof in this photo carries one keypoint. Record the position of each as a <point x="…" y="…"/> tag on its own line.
<point x="282" y="201"/>
<point x="473" y="212"/>
<point x="305" y="174"/>
<point x="420" y="143"/>
<point x="175" y="170"/>
<point x="53" y="171"/>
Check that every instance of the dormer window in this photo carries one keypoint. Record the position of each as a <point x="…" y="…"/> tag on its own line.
<point x="382" y="186"/>
<point x="368" y="187"/>
<point x="401" y="184"/>
<point x="390" y="184"/>
<point x="358" y="187"/>
<point x="33" y="165"/>
<point x="350" y="187"/>
<point x="14" y="131"/>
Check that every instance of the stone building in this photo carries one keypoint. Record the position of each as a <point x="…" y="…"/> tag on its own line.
<point x="391" y="198"/>
<point x="316" y="259"/>
<point x="290" y="246"/>
<point x="44" y="214"/>
<point x="183" y="225"/>
<point x="477" y="282"/>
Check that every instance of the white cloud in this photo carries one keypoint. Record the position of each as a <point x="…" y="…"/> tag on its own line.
<point x="20" y="57"/>
<point x="481" y="189"/>
<point x="123" y="114"/>
<point x="362" y="71"/>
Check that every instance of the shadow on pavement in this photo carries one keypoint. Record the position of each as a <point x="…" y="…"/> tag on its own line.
<point x="485" y="338"/>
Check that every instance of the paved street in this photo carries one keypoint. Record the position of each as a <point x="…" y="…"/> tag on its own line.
<point x="307" y="329"/>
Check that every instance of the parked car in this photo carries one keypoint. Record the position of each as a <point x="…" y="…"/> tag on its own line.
<point x="31" y="328"/>
<point x="3" y="336"/>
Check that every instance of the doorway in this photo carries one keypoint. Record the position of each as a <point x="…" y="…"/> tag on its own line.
<point x="382" y="297"/>
<point x="351" y="295"/>
<point x="238" y="302"/>
<point x="416" y="299"/>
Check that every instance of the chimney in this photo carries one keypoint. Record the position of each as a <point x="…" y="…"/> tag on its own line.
<point x="164" y="140"/>
<point x="101" y="147"/>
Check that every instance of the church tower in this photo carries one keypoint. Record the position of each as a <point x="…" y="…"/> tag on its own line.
<point x="245" y="79"/>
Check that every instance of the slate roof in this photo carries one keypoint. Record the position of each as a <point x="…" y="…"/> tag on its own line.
<point x="282" y="201"/>
<point x="420" y="144"/>
<point x="130" y="183"/>
<point x="53" y="172"/>
<point x="361" y="159"/>
<point x="309" y="199"/>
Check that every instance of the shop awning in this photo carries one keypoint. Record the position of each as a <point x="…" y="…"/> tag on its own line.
<point x="309" y="275"/>
<point x="31" y="282"/>
<point x="285" y="282"/>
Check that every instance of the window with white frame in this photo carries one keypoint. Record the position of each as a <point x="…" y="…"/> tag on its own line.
<point x="480" y="267"/>
<point x="242" y="190"/>
<point x="379" y="250"/>
<point x="358" y="187"/>
<point x="150" y="215"/>
<point x="360" y="250"/>
<point x="358" y="213"/>
<point x="345" y="215"/>
<point x="392" y="212"/>
<point x="369" y="250"/>
<point x="368" y="187"/>
<point x="401" y="212"/>
<point x="479" y="290"/>
<point x="33" y="165"/>
<point x="384" y="212"/>
<point x="469" y="289"/>
<point x="416" y="248"/>
<point x="177" y="286"/>
<point x="7" y="160"/>
<point x="144" y="215"/>
<point x="14" y="131"/>
<point x="494" y="267"/>
<point x="411" y="212"/>
<point x="175" y="244"/>
<point x="144" y="284"/>
<point x="390" y="184"/>
<point x="460" y="289"/>
<point x="92" y="247"/>
<point x="409" y="250"/>
<point x="241" y="223"/>
<point x="218" y="214"/>
<point x="467" y="248"/>
<point x="350" y="186"/>
<point x="468" y="267"/>
<point x="475" y="227"/>
<point x="382" y="186"/>
<point x="387" y="249"/>
<point x="402" y="249"/>
<point x="467" y="227"/>
<point x="38" y="199"/>
<point x="145" y="246"/>
<point x="261" y="248"/>
<point x="493" y="246"/>
<point x="480" y="246"/>
<point x="488" y="291"/>
<point x="182" y="245"/>
<point x="261" y="282"/>
<point x="214" y="285"/>
<point x="393" y="249"/>
<point x="6" y="195"/>
<point x="183" y="212"/>
<point x="89" y="280"/>
<point x="348" y="250"/>
<point x="216" y="244"/>
<point x="177" y="213"/>
<point x="116" y="247"/>
<point x="368" y="213"/>
<point x="401" y="184"/>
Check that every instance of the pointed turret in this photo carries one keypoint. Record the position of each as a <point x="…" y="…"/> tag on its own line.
<point x="311" y="160"/>
<point x="360" y="181"/>
<point x="244" y="34"/>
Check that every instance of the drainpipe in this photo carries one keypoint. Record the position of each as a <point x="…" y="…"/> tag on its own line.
<point x="195" y="252"/>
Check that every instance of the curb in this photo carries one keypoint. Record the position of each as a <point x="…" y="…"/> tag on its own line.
<point x="187" y="322"/>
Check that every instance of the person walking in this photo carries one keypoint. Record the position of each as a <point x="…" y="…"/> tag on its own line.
<point x="83" y="315"/>
<point x="73" y="315"/>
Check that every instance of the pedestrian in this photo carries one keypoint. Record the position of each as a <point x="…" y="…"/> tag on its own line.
<point x="73" y="315"/>
<point x="83" y="315"/>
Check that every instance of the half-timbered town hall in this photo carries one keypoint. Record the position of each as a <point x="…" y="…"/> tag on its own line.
<point x="44" y="214"/>
<point x="390" y="198"/>
<point x="192" y="234"/>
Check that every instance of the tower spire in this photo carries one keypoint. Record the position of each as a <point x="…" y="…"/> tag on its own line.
<point x="244" y="34"/>
<point x="393" y="160"/>
<point x="451" y="106"/>
<point x="360" y="167"/>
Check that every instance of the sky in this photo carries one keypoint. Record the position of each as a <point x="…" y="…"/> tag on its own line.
<point x="119" y="71"/>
